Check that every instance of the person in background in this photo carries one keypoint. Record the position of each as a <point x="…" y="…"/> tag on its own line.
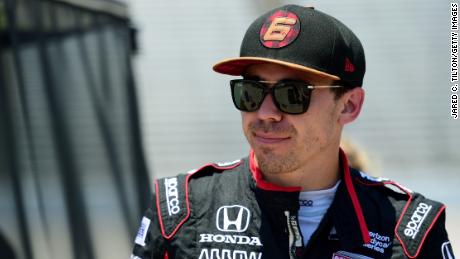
<point x="295" y="195"/>
<point x="357" y="156"/>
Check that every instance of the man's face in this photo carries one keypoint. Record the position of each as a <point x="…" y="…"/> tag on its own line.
<point x="282" y="142"/>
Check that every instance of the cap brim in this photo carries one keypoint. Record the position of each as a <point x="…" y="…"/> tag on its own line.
<point x="237" y="66"/>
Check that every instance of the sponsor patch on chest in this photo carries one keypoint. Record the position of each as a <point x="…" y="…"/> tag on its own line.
<point x="378" y="242"/>
<point x="233" y="218"/>
<point x="230" y="239"/>
<point x="232" y="232"/>
<point x="216" y="253"/>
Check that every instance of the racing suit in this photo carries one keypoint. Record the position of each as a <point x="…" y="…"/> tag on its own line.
<point x="227" y="211"/>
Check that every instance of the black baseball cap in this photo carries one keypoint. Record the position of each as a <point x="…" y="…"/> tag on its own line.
<point x="301" y="38"/>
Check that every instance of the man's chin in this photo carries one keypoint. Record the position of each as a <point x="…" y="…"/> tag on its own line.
<point x="270" y="157"/>
<point x="267" y="152"/>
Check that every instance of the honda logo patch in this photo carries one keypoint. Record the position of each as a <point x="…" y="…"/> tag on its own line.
<point x="233" y="218"/>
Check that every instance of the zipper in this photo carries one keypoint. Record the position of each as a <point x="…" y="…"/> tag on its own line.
<point x="295" y="238"/>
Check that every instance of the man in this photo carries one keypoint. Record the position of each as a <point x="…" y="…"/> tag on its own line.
<point x="295" y="195"/>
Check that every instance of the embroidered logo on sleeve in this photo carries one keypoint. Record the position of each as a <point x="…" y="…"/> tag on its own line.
<point x="416" y="220"/>
<point x="446" y="250"/>
<point x="172" y="196"/>
<point x="142" y="233"/>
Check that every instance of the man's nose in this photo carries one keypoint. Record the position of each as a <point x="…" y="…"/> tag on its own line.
<point x="268" y="110"/>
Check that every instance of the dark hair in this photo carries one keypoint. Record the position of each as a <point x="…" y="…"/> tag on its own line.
<point x="339" y="92"/>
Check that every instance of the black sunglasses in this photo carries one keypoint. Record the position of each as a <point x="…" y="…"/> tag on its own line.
<point x="289" y="96"/>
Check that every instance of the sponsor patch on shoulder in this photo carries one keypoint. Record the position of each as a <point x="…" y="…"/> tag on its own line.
<point x="142" y="233"/>
<point x="172" y="203"/>
<point x="172" y="196"/>
<point x="348" y="255"/>
<point x="416" y="222"/>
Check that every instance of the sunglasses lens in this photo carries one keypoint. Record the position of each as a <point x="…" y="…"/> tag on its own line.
<point x="247" y="95"/>
<point x="292" y="98"/>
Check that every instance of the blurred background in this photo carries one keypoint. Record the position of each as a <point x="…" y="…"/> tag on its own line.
<point x="97" y="98"/>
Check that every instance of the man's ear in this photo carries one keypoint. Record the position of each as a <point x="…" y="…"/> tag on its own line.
<point x="352" y="104"/>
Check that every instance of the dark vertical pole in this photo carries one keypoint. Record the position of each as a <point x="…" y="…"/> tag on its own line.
<point x="13" y="166"/>
<point x="11" y="135"/>
<point x="103" y="115"/>
<point x="75" y="205"/>
<point x="27" y="116"/>
<point x="140" y="167"/>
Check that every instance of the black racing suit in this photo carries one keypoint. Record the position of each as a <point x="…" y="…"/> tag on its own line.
<point x="228" y="211"/>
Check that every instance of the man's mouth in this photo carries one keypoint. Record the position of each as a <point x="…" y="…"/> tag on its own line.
<point x="269" y="138"/>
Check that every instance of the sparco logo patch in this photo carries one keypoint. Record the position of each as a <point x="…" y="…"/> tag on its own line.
<point x="172" y="196"/>
<point x="417" y="219"/>
<point x="233" y="218"/>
